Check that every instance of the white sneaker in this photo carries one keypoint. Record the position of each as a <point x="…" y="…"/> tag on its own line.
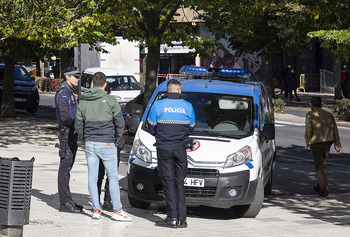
<point x="121" y="216"/>
<point x="96" y="215"/>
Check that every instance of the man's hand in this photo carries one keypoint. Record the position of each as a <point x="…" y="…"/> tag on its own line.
<point x="308" y="147"/>
<point x="338" y="148"/>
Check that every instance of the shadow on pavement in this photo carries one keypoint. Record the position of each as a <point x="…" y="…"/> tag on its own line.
<point x="293" y="190"/>
<point x="27" y="129"/>
<point x="52" y="200"/>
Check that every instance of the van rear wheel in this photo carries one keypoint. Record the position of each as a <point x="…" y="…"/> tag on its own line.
<point x="138" y="203"/>
<point x="252" y="210"/>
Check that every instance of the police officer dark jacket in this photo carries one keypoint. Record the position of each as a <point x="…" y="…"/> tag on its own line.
<point x="171" y="120"/>
<point x="66" y="106"/>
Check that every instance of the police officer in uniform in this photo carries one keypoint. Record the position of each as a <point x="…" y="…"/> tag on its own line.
<point x="171" y="121"/>
<point x="66" y="108"/>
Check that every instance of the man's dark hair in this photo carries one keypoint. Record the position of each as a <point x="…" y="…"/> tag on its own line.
<point x="108" y="89"/>
<point x="316" y="101"/>
<point x="174" y="81"/>
<point x="99" y="79"/>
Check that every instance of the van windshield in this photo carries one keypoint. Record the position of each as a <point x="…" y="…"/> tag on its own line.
<point x="220" y="114"/>
<point x="122" y="83"/>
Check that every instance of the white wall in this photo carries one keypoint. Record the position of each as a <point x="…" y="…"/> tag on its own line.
<point x="125" y="56"/>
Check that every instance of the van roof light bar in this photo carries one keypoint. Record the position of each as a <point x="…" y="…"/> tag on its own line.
<point x="194" y="71"/>
<point x="215" y="72"/>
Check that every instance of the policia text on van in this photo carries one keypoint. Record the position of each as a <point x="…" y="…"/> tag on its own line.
<point x="233" y="155"/>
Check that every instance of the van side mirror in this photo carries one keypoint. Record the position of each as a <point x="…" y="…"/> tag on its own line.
<point x="269" y="131"/>
<point x="134" y="123"/>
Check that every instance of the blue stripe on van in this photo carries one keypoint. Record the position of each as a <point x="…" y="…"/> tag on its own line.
<point x="250" y="165"/>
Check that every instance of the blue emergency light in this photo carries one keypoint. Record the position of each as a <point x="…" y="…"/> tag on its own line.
<point x="214" y="72"/>
<point x="227" y="72"/>
<point x="192" y="70"/>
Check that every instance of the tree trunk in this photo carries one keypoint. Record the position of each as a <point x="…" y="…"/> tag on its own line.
<point x="7" y="101"/>
<point x="63" y="61"/>
<point x="337" y="79"/>
<point x="266" y="73"/>
<point x="151" y="71"/>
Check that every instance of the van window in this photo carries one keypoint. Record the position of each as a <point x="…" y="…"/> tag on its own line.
<point x="86" y="80"/>
<point x="220" y="114"/>
<point x="261" y="114"/>
<point x="122" y="83"/>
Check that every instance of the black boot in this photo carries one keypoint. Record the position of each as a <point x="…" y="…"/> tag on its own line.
<point x="69" y="207"/>
<point x="167" y="222"/>
<point x="182" y="224"/>
<point x="107" y="206"/>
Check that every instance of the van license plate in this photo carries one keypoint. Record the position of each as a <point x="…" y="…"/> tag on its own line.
<point x="194" y="182"/>
<point x="20" y="99"/>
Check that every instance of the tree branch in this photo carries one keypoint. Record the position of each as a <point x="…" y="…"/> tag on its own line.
<point x="169" y="17"/>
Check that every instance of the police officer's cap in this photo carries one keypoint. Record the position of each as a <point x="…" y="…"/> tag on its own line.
<point x="72" y="71"/>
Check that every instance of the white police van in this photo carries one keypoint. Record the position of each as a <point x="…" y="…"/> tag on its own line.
<point x="124" y="86"/>
<point x="233" y="157"/>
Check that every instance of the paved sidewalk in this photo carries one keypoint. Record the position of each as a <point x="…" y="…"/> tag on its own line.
<point x="283" y="214"/>
<point x="303" y="107"/>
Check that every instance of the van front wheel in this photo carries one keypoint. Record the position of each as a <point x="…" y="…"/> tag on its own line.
<point x="252" y="210"/>
<point x="138" y="203"/>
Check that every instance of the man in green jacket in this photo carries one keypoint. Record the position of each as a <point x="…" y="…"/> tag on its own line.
<point x="320" y="132"/>
<point x="100" y="123"/>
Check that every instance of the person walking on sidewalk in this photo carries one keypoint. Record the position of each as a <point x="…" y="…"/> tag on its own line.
<point x="320" y="132"/>
<point x="100" y="124"/>
<point x="282" y="80"/>
<point x="345" y="82"/>
<point x="66" y="108"/>
<point x="292" y="84"/>
<point x="171" y="121"/>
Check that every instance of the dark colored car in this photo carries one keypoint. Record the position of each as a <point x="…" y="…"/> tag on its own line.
<point x="26" y="94"/>
<point x="135" y="106"/>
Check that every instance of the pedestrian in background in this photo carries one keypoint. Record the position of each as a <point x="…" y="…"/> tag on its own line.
<point x="292" y="84"/>
<point x="100" y="123"/>
<point x="282" y="80"/>
<point x="320" y="133"/>
<point x="171" y="121"/>
<point x="66" y="108"/>
<point x="345" y="82"/>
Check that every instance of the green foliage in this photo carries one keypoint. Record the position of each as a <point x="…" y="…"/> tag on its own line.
<point x="266" y="26"/>
<point x="287" y="26"/>
<point x="342" y="110"/>
<point x="337" y="41"/>
<point x="279" y="106"/>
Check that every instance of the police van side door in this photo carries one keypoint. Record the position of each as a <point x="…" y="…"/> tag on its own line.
<point x="264" y="145"/>
<point x="267" y="146"/>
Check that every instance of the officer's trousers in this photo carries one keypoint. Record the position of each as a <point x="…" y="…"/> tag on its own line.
<point x="320" y="153"/>
<point x="68" y="150"/>
<point x="172" y="169"/>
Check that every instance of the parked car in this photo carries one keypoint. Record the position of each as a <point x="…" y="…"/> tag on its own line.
<point x="124" y="86"/>
<point x="135" y="106"/>
<point x="26" y="94"/>
<point x="234" y="151"/>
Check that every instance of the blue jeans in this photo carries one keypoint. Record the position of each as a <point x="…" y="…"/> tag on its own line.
<point x="107" y="152"/>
